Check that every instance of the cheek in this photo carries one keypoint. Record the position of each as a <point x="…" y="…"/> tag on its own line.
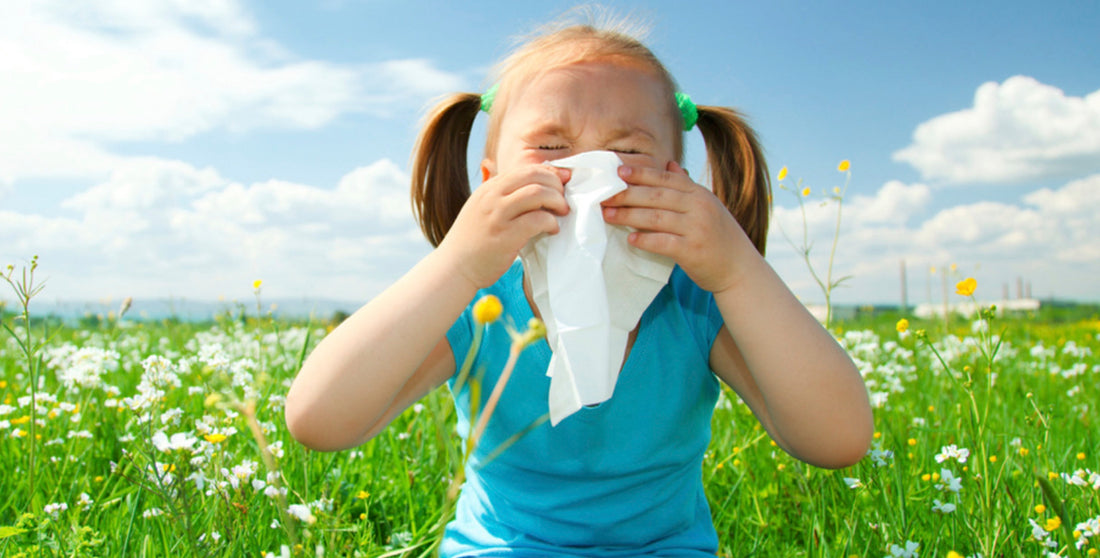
<point x="641" y="160"/>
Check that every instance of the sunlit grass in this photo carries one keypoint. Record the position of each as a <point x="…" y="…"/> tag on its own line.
<point x="147" y="443"/>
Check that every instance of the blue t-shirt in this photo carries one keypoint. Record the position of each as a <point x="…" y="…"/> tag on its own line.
<point x="623" y="478"/>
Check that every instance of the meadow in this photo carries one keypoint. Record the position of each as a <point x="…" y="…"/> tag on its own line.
<point x="131" y="438"/>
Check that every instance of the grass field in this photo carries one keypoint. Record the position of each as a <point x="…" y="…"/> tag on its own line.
<point x="159" y="439"/>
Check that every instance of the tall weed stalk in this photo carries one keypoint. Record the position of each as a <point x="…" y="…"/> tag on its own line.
<point x="25" y="289"/>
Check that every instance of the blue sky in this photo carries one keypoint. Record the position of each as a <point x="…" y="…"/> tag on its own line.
<point x="172" y="148"/>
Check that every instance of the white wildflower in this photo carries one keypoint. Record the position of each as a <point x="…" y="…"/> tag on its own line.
<point x="880" y="456"/>
<point x="55" y="509"/>
<point x="302" y="512"/>
<point x="948" y="481"/>
<point x="952" y="452"/>
<point x="941" y="507"/>
<point x="907" y="551"/>
<point x="1089" y="528"/>
<point x="179" y="441"/>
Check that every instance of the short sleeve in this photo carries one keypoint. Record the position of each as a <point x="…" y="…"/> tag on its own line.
<point x="699" y="309"/>
<point x="461" y="335"/>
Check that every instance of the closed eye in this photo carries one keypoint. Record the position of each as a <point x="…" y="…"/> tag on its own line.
<point x="552" y="147"/>
<point x="627" y="151"/>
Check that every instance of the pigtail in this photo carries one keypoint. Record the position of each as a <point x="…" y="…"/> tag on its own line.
<point x="738" y="172"/>
<point x="440" y="183"/>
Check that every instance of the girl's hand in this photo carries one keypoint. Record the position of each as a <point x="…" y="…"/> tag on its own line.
<point x="678" y="218"/>
<point x="500" y="217"/>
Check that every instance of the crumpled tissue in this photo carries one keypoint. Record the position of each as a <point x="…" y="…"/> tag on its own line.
<point x="590" y="286"/>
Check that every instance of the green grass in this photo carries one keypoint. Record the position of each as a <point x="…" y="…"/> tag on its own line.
<point x="1033" y="423"/>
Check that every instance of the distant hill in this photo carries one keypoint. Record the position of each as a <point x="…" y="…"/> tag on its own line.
<point x="188" y="310"/>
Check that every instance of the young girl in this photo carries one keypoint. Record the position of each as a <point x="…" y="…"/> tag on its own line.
<point x="622" y="478"/>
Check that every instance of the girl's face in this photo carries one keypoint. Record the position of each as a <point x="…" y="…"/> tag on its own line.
<point x="586" y="107"/>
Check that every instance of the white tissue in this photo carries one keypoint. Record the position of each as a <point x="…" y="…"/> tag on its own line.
<point x="590" y="286"/>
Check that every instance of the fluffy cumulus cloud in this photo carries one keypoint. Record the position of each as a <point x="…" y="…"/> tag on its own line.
<point x="1048" y="237"/>
<point x="1016" y="131"/>
<point x="159" y="228"/>
<point x="81" y="77"/>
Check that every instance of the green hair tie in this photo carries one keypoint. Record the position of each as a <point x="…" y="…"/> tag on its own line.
<point x="687" y="109"/>
<point x="488" y="97"/>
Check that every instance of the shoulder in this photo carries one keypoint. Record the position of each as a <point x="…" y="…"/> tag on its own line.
<point x="509" y="286"/>
<point x="687" y="293"/>
<point x="695" y="306"/>
<point x="509" y="289"/>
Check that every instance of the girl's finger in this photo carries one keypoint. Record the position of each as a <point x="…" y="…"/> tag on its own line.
<point x="646" y="176"/>
<point x="650" y="196"/>
<point x="545" y="175"/>
<point x="534" y="197"/>
<point x="646" y="219"/>
<point x="660" y="243"/>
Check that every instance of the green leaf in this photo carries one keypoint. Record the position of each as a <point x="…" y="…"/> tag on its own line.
<point x="9" y="531"/>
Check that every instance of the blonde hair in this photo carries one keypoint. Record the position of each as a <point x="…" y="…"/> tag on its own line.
<point x="440" y="183"/>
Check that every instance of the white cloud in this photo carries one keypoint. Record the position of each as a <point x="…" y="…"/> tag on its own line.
<point x="1050" y="236"/>
<point x="159" y="227"/>
<point x="895" y="202"/>
<point x="891" y="207"/>
<point x="1018" y="130"/>
<point x="80" y="76"/>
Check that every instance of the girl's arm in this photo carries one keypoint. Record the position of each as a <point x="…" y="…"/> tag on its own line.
<point x="789" y="370"/>
<point x="384" y="357"/>
<point x="394" y="350"/>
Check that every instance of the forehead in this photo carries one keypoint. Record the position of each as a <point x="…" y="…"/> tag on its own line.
<point x="609" y="90"/>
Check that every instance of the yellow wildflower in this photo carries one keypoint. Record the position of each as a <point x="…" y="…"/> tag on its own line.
<point x="912" y="441"/>
<point x="966" y="287"/>
<point x="1023" y="452"/>
<point x="21" y="420"/>
<point x="782" y="173"/>
<point x="806" y="191"/>
<point x="953" y="554"/>
<point x="1081" y="456"/>
<point x="1052" y="523"/>
<point x="535" y="330"/>
<point x="363" y="495"/>
<point x="488" y="309"/>
<point x="993" y="459"/>
<point x="1039" y="509"/>
<point x="902" y="325"/>
<point x="3" y="384"/>
<point x="215" y="438"/>
<point x="926" y="477"/>
<point x="256" y="284"/>
<point x="844" y="166"/>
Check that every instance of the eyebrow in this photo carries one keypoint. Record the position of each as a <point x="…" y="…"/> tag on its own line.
<point x="554" y="128"/>
<point x="630" y="132"/>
